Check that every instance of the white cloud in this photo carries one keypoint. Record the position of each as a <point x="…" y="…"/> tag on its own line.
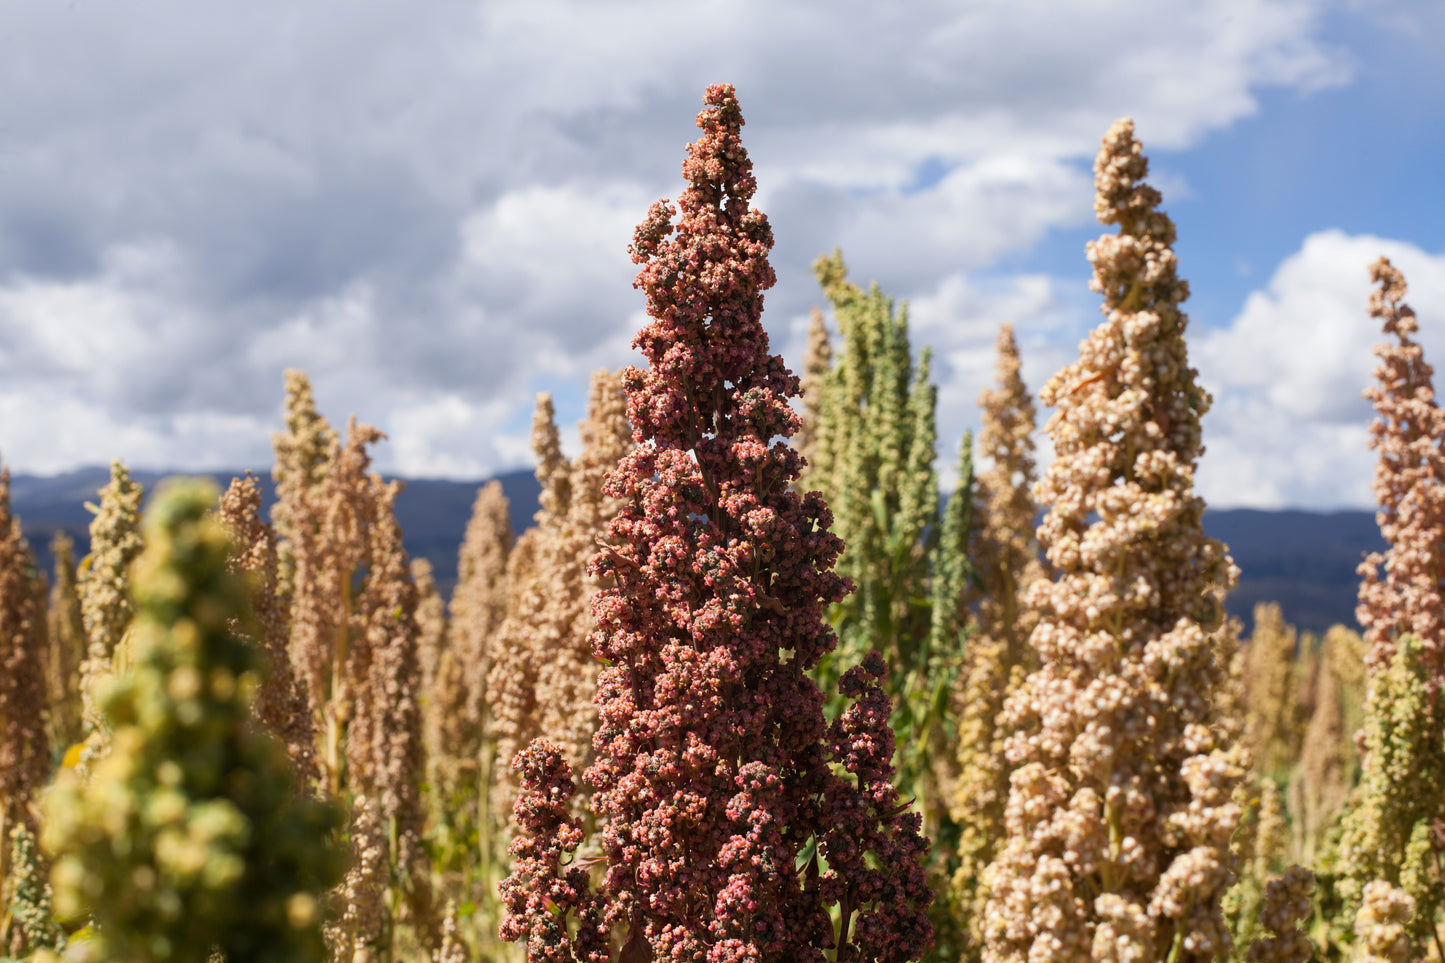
<point x="50" y="430"/>
<point x="441" y="437"/>
<point x="558" y="256"/>
<point x="1287" y="374"/>
<point x="428" y="206"/>
<point x="975" y="213"/>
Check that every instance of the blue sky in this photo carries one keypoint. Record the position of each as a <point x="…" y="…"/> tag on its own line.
<point x="428" y="207"/>
<point x="1362" y="157"/>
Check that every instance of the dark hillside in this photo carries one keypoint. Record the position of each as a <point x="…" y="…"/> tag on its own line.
<point x="1303" y="560"/>
<point x="433" y="513"/>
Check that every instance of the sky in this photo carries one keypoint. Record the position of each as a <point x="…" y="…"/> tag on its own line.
<point x="427" y="207"/>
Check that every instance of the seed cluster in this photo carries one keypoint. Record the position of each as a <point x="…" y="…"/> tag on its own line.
<point x="1121" y="804"/>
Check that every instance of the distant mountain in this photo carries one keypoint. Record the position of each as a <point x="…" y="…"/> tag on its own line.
<point x="433" y="513"/>
<point x="1303" y="560"/>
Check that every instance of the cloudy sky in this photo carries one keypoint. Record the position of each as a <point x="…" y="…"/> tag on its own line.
<point x="427" y="206"/>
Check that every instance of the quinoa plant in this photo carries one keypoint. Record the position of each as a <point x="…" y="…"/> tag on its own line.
<point x="465" y="827"/>
<point x="191" y="834"/>
<point x="1329" y="762"/>
<point x="874" y="439"/>
<point x="1382" y="925"/>
<point x="303" y="453"/>
<point x="816" y="365"/>
<point x="105" y="603"/>
<point x="1259" y="847"/>
<point x="1402" y="591"/>
<point x="1274" y="722"/>
<point x="28" y="914"/>
<point x="479" y="604"/>
<point x="24" y="741"/>
<point x="1388" y="831"/>
<point x="1121" y="806"/>
<point x="66" y="647"/>
<point x="1005" y="560"/>
<point x="1285" y="906"/>
<point x="526" y="633"/>
<point x="281" y="704"/>
<point x="733" y="815"/>
<point x="347" y="583"/>
<point x="542" y="674"/>
<point x="1392" y="833"/>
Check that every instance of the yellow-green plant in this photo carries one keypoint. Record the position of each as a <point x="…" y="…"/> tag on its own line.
<point x="105" y="603"/>
<point x="816" y="365"/>
<point x="28" y="916"/>
<point x="1401" y="797"/>
<point x="952" y="579"/>
<point x="876" y="468"/>
<point x="190" y="834"/>
<point x="1259" y="847"/>
<point x="873" y="438"/>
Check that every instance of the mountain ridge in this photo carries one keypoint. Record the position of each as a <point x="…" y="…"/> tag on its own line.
<point x="1304" y="560"/>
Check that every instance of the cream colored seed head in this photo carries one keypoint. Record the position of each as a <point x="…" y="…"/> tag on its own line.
<point x="1121" y="702"/>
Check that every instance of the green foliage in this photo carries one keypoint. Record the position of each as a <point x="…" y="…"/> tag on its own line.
<point x="872" y="454"/>
<point x="1402" y="793"/>
<point x="876" y="439"/>
<point x="115" y="541"/>
<point x="1259" y="848"/>
<point x="33" y="926"/>
<point x="190" y="834"/>
<point x="952" y="571"/>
